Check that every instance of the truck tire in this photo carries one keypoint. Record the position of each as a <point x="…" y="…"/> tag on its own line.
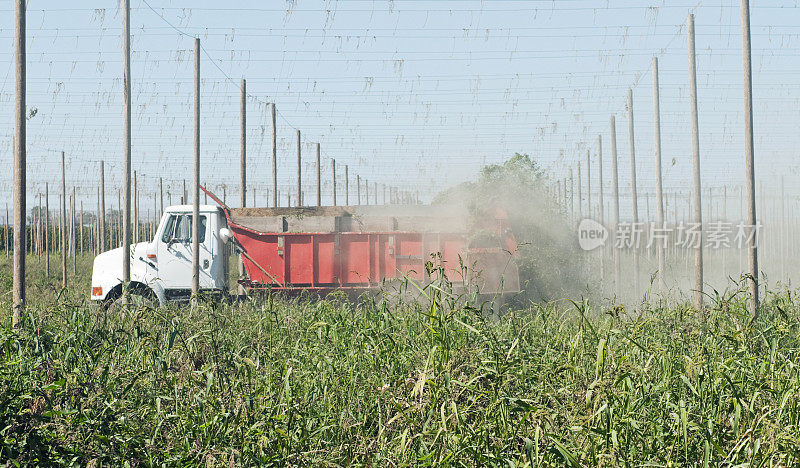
<point x="139" y="297"/>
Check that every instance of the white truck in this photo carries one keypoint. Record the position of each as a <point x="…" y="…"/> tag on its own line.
<point x="161" y="270"/>
<point x="320" y="249"/>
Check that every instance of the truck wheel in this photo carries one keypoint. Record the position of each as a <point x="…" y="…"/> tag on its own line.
<point x="138" y="298"/>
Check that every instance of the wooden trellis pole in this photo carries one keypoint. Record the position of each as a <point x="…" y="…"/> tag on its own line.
<point x="72" y="233"/>
<point x="615" y="196"/>
<point x="135" y="208"/>
<point x="752" y="248"/>
<point x="299" y="172"/>
<point x="243" y="147"/>
<point x="20" y="183"/>
<point x="601" y="211"/>
<point x="196" y="188"/>
<point x="571" y="194"/>
<point x="600" y="177"/>
<point x="80" y="226"/>
<point x="46" y="230"/>
<point x="126" y="172"/>
<point x="659" y="187"/>
<point x="588" y="183"/>
<point x="273" y="113"/>
<point x="698" y="208"/>
<point x="102" y="243"/>
<point x="346" y="186"/>
<point x="580" y="195"/>
<point x="161" y="197"/>
<point x="333" y="180"/>
<point x="634" y="199"/>
<point x="319" y="175"/>
<point x="63" y="224"/>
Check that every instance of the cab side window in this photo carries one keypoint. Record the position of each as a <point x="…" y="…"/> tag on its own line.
<point x="179" y="228"/>
<point x="169" y="229"/>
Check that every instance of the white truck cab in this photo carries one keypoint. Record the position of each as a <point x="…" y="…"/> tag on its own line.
<point x="162" y="269"/>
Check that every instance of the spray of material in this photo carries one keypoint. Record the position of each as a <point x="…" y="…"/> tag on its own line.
<point x="551" y="265"/>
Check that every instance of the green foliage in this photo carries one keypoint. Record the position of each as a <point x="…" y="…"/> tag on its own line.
<point x="550" y="263"/>
<point x="519" y="170"/>
<point x="382" y="382"/>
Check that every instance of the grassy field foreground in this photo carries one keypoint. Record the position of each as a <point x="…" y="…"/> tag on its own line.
<point x="308" y="381"/>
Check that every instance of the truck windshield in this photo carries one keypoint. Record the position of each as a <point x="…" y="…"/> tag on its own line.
<point x="179" y="228"/>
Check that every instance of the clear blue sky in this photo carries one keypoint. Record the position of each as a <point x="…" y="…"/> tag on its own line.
<point x="415" y="93"/>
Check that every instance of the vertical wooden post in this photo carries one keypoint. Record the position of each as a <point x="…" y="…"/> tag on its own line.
<point x="135" y="208"/>
<point x="358" y="189"/>
<point x="698" y="208"/>
<point x="196" y="203"/>
<point x="72" y="230"/>
<point x="120" y="218"/>
<point x="601" y="208"/>
<point x="571" y="194"/>
<point x="273" y="112"/>
<point x="63" y="224"/>
<point x="243" y="175"/>
<point x="659" y="186"/>
<point x="615" y="196"/>
<point x="126" y="181"/>
<point x="80" y="226"/>
<point x="580" y="195"/>
<point x="243" y="148"/>
<point x="333" y="180"/>
<point x="46" y="230"/>
<point x="588" y="184"/>
<point x="319" y="176"/>
<point x="161" y="196"/>
<point x="299" y="172"/>
<point x="346" y="187"/>
<point x="38" y="220"/>
<point x="634" y="199"/>
<point x="20" y="183"/>
<point x="375" y="191"/>
<point x="725" y="219"/>
<point x="102" y="239"/>
<point x="752" y="249"/>
<point x="600" y="177"/>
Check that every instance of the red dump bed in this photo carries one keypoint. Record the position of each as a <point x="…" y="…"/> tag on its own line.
<point x="360" y="247"/>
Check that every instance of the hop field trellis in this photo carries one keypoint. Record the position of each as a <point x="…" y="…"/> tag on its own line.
<point x="418" y="100"/>
<point x="392" y="72"/>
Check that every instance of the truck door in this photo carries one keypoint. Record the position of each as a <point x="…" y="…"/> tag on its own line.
<point x="175" y="253"/>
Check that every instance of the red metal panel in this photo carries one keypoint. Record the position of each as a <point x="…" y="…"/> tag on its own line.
<point x="299" y="259"/>
<point x="451" y="247"/>
<point x="354" y="256"/>
<point x="264" y="250"/>
<point x="325" y="259"/>
<point x="408" y="255"/>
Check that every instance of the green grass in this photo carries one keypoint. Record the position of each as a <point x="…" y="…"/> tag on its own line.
<point x="307" y="381"/>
